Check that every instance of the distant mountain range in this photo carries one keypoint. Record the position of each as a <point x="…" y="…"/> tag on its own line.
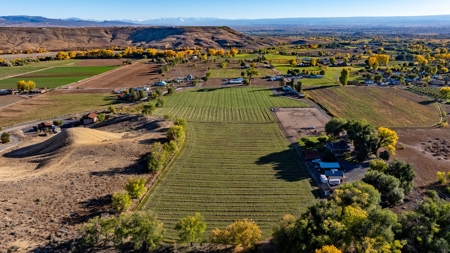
<point x="411" y="21"/>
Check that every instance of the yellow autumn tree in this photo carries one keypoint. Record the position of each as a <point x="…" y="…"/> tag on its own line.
<point x="21" y="85"/>
<point x="30" y="85"/>
<point x="382" y="59"/>
<point x="386" y="138"/>
<point x="293" y="62"/>
<point x="244" y="233"/>
<point x="62" y="56"/>
<point x="421" y="60"/>
<point x="445" y="92"/>
<point x="328" y="249"/>
<point x="371" y="61"/>
<point x="234" y="52"/>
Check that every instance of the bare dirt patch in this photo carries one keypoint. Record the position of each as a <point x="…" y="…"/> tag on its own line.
<point x="299" y="121"/>
<point x="51" y="185"/>
<point x="138" y="74"/>
<point x="9" y="99"/>
<point x="183" y="70"/>
<point x="427" y="150"/>
<point x="101" y="62"/>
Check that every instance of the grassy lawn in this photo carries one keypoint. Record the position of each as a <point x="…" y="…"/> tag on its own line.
<point x="380" y="106"/>
<point x="226" y="105"/>
<point x="281" y="57"/>
<point x="236" y="163"/>
<point x="58" y="76"/>
<point x="10" y="71"/>
<point x="49" y="106"/>
<point x="245" y="56"/>
<point x="234" y="73"/>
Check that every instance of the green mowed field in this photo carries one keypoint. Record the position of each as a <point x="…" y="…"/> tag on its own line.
<point x="387" y="107"/>
<point x="235" y="73"/>
<point x="226" y="105"/>
<point x="236" y="162"/>
<point x="232" y="171"/>
<point x="10" y="71"/>
<point x="58" y="76"/>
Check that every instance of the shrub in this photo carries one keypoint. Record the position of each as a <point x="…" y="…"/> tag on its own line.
<point x="5" y="137"/>
<point x="135" y="187"/>
<point x="322" y="139"/>
<point x="175" y="133"/>
<point x="120" y="201"/>
<point x="170" y="91"/>
<point x="441" y="177"/>
<point x="191" y="228"/>
<point x="167" y="116"/>
<point x="156" y="158"/>
<point x="160" y="103"/>
<point x="180" y="122"/>
<point x="101" y="117"/>
<point x="58" y="123"/>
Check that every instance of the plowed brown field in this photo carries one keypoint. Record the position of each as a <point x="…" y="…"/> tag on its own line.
<point x="134" y="75"/>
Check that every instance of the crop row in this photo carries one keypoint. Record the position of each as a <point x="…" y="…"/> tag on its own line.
<point x="429" y="91"/>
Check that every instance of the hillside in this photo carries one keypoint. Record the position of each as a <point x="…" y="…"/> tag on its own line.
<point x="157" y="37"/>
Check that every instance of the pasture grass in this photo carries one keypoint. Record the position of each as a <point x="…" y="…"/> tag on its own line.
<point x="58" y="76"/>
<point x="389" y="107"/>
<point x="226" y="105"/>
<point x="49" y="106"/>
<point x="236" y="162"/>
<point x="17" y="70"/>
<point x="231" y="171"/>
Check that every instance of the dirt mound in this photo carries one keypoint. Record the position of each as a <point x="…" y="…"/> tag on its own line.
<point x="70" y="137"/>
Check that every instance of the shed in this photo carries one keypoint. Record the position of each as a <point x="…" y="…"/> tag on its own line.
<point x="311" y="154"/>
<point x="90" y="118"/>
<point x="44" y="125"/>
<point x="325" y="187"/>
<point x="327" y="166"/>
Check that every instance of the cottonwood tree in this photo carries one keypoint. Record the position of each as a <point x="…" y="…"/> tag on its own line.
<point x="445" y="92"/>
<point x="386" y="138"/>
<point x="387" y="185"/>
<point x="191" y="228"/>
<point x="345" y="74"/>
<point x="335" y="126"/>
<point x="425" y="229"/>
<point x="244" y="233"/>
<point x="252" y="72"/>
<point x="350" y="224"/>
<point x="328" y="249"/>
<point x="363" y="136"/>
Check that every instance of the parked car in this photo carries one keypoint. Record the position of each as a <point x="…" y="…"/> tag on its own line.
<point x="334" y="181"/>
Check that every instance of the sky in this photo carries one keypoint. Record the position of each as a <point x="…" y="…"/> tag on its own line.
<point x="229" y="9"/>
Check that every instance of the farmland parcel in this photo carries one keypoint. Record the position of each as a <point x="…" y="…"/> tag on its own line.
<point x="380" y="106"/>
<point x="236" y="163"/>
<point x="58" y="76"/>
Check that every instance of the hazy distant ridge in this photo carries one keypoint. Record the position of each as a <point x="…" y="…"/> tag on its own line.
<point x="419" y="21"/>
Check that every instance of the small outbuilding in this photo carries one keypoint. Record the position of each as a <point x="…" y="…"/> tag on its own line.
<point x="89" y="119"/>
<point x="329" y="166"/>
<point x="326" y="189"/>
